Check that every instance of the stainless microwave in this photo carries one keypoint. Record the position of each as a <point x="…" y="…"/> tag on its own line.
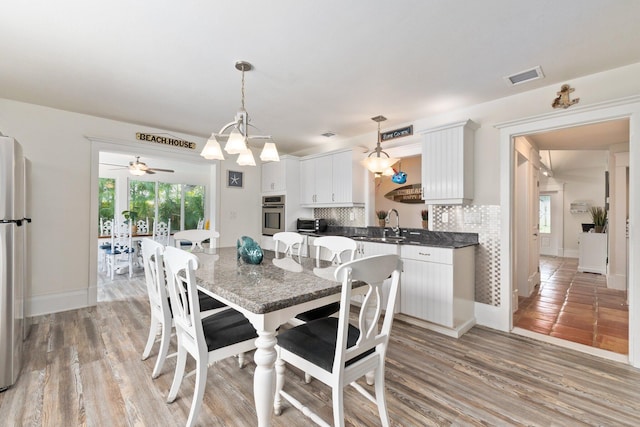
<point x="311" y="224"/>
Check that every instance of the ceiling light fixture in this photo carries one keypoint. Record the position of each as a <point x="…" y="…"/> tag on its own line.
<point x="377" y="164"/>
<point x="237" y="141"/>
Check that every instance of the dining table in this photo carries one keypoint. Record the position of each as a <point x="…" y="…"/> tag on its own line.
<point x="269" y="294"/>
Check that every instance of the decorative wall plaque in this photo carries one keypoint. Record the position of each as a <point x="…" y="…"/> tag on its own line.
<point x="174" y="142"/>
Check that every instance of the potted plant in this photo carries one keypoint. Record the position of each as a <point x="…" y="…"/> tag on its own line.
<point x="131" y="216"/>
<point x="382" y="215"/>
<point x="424" y="214"/>
<point x="598" y="217"/>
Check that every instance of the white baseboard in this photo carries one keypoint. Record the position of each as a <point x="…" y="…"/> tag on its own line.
<point x="450" y="332"/>
<point x="55" y="303"/>
<point x="617" y="281"/>
<point x="571" y="253"/>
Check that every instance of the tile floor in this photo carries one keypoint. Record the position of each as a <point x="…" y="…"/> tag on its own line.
<point x="575" y="306"/>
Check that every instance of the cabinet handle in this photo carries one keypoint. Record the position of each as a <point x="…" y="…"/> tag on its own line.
<point x="425" y="254"/>
<point x="333" y="197"/>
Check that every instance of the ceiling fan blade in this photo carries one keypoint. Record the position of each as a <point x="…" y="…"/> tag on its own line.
<point x="113" y="164"/>
<point x="149" y="171"/>
<point x="160" y="170"/>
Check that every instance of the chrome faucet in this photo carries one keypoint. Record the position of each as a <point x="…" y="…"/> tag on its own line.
<point x="395" y="229"/>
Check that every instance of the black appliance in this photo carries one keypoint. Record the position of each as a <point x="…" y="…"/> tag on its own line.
<point x="310" y="224"/>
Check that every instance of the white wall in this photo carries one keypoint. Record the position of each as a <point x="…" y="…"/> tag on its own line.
<point x="62" y="246"/>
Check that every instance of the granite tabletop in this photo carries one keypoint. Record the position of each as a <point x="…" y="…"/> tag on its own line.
<point x="275" y="283"/>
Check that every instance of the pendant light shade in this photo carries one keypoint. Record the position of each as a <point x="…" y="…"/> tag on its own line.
<point x="238" y="138"/>
<point x="235" y="143"/>
<point x="212" y="150"/>
<point x="246" y="158"/>
<point x="269" y="153"/>
<point x="376" y="163"/>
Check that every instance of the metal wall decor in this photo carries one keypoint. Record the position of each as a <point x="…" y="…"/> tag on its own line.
<point x="563" y="100"/>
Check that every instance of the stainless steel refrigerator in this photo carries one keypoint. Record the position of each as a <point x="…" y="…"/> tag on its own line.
<point x="13" y="252"/>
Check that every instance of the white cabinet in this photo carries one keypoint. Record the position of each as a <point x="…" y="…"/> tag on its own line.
<point x="366" y="249"/>
<point x="592" y="252"/>
<point x="447" y="164"/>
<point x="273" y="177"/>
<point x="438" y="286"/>
<point x="330" y="180"/>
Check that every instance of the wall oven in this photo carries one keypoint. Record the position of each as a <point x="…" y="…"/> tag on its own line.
<point x="272" y="215"/>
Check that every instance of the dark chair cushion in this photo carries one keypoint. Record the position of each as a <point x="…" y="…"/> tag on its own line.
<point x="105" y="246"/>
<point x="316" y="342"/>
<point x="319" y="313"/>
<point x="226" y="328"/>
<point x="185" y="243"/>
<point x="112" y="251"/>
<point x="208" y="303"/>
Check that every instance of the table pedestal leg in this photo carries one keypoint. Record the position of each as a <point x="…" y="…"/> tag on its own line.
<point x="264" y="378"/>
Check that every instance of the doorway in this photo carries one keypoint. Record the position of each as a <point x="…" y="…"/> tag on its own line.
<point x="626" y="109"/>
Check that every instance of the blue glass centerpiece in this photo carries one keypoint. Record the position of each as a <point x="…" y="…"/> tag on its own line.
<point x="249" y="250"/>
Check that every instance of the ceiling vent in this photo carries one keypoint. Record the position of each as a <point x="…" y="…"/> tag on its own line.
<point x="328" y="134"/>
<point x="524" y="76"/>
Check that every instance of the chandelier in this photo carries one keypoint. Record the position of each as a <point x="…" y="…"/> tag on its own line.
<point x="377" y="164"/>
<point x="238" y="138"/>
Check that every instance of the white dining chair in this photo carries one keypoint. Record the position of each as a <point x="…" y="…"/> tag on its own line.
<point x="196" y="237"/>
<point x="291" y="241"/>
<point x="161" y="319"/>
<point x="338" y="353"/>
<point x="162" y="232"/>
<point x="209" y="340"/>
<point x="142" y="226"/>
<point x="106" y="230"/>
<point x="121" y="250"/>
<point x="338" y="246"/>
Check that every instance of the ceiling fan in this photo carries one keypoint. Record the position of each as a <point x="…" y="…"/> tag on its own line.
<point x="139" y="168"/>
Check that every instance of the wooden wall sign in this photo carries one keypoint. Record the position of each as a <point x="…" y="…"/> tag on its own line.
<point x="406" y="194"/>
<point x="397" y="133"/>
<point x="174" y="142"/>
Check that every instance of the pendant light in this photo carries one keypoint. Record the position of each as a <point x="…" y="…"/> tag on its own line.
<point x="378" y="164"/>
<point x="238" y="138"/>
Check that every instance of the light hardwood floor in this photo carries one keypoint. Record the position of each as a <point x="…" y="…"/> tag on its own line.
<point x="83" y="367"/>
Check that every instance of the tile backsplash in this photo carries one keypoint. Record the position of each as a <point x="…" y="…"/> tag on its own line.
<point x="484" y="220"/>
<point x="346" y="217"/>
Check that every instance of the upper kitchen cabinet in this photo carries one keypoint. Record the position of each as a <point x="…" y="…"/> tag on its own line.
<point x="332" y="180"/>
<point x="277" y="177"/>
<point x="447" y="164"/>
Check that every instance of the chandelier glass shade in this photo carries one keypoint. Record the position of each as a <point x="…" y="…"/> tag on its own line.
<point x="376" y="163"/>
<point x="238" y="138"/>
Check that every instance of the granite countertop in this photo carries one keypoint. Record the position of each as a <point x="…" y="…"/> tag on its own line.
<point x="277" y="282"/>
<point x="410" y="236"/>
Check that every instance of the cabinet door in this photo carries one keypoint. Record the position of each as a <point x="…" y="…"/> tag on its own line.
<point x="324" y="179"/>
<point x="368" y="249"/>
<point x="342" y="177"/>
<point x="427" y="291"/>
<point x="307" y="182"/>
<point x="273" y="177"/>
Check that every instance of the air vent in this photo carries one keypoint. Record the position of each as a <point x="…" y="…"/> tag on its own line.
<point x="328" y="134"/>
<point x="524" y="76"/>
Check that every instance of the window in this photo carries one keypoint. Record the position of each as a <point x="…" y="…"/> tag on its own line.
<point x="169" y="204"/>
<point x="106" y="198"/>
<point x="142" y="199"/>
<point x="183" y="204"/>
<point x="193" y="205"/>
<point x="545" y="213"/>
